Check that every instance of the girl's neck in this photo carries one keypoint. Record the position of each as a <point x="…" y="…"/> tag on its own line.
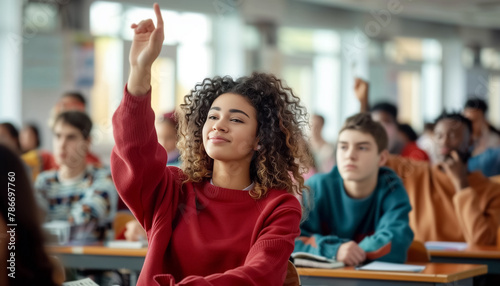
<point x="231" y="175"/>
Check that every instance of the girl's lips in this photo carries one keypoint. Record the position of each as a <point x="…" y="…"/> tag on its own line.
<point x="217" y="139"/>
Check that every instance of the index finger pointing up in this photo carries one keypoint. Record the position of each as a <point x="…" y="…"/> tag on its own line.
<point x="159" y="19"/>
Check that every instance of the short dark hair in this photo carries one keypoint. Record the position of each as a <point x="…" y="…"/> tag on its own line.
<point x="457" y="117"/>
<point x="77" y="119"/>
<point x="33" y="127"/>
<point x="477" y="103"/>
<point x="363" y="122"/>
<point x="429" y="126"/>
<point x="407" y="130"/>
<point x="12" y="131"/>
<point x="76" y="95"/>
<point x="388" y="108"/>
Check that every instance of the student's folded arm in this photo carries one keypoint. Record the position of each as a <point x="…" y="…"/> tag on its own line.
<point x="479" y="216"/>
<point x="393" y="234"/>
<point x="322" y="245"/>
<point x="311" y="240"/>
<point x="101" y="199"/>
<point x="138" y="161"/>
<point x="266" y="262"/>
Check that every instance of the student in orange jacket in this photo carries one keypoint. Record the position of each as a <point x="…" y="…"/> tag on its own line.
<point x="448" y="202"/>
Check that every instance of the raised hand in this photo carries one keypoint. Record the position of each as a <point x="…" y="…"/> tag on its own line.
<point x="146" y="47"/>
<point x="361" y="91"/>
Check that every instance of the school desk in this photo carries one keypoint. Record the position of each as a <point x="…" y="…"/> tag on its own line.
<point x="489" y="255"/>
<point x="434" y="274"/>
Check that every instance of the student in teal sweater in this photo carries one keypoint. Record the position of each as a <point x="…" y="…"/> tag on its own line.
<point x="360" y="209"/>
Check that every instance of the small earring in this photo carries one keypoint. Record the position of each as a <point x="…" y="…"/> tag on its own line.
<point x="258" y="147"/>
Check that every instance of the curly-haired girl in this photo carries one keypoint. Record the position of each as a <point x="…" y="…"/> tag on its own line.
<point x="229" y="216"/>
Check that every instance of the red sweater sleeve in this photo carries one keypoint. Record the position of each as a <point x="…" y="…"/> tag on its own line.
<point x="138" y="162"/>
<point x="266" y="262"/>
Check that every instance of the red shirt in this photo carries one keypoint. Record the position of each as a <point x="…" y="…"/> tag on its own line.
<point x="412" y="151"/>
<point x="198" y="234"/>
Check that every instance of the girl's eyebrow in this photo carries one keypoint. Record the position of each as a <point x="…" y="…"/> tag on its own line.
<point x="231" y="110"/>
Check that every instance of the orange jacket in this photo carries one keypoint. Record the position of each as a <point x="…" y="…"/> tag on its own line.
<point x="441" y="213"/>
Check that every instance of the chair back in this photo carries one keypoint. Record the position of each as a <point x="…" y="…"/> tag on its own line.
<point x="495" y="179"/>
<point x="58" y="272"/>
<point x="120" y="221"/>
<point x="498" y="237"/>
<point x="292" y="276"/>
<point x="417" y="252"/>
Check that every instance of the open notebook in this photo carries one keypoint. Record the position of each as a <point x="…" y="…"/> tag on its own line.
<point x="304" y="259"/>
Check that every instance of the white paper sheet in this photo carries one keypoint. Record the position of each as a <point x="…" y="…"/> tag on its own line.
<point x="445" y="245"/>
<point x="81" y="282"/>
<point x="386" y="266"/>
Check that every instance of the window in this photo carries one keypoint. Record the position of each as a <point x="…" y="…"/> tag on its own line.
<point x="186" y="58"/>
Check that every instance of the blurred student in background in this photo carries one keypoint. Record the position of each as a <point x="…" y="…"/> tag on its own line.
<point x="385" y="113"/>
<point x="323" y="151"/>
<point x="74" y="101"/>
<point x="488" y="162"/>
<point x="38" y="160"/>
<point x="408" y="138"/>
<point x="484" y="135"/>
<point x="9" y="137"/>
<point x="77" y="192"/>
<point x="166" y="129"/>
<point x="32" y="264"/>
<point x="426" y="142"/>
<point x="449" y="202"/>
<point x="360" y="208"/>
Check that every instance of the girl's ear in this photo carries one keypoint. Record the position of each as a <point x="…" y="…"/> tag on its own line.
<point x="257" y="146"/>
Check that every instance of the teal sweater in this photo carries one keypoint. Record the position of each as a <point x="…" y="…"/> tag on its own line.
<point x="378" y="223"/>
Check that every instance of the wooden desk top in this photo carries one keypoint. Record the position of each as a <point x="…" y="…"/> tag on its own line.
<point x="97" y="250"/>
<point x="475" y="251"/>
<point x="433" y="272"/>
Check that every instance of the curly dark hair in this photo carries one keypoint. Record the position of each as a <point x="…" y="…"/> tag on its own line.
<point x="281" y="120"/>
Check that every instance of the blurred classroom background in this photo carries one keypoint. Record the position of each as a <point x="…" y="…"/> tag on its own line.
<point x="423" y="55"/>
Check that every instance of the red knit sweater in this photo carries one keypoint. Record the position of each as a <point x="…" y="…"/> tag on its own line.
<point x="198" y="234"/>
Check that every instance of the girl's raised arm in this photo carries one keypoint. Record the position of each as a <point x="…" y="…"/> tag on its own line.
<point x="146" y="47"/>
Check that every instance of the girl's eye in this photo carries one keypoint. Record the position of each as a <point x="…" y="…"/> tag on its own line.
<point x="212" y="117"/>
<point x="236" y="120"/>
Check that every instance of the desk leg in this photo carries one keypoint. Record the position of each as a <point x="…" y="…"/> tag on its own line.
<point x="133" y="278"/>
